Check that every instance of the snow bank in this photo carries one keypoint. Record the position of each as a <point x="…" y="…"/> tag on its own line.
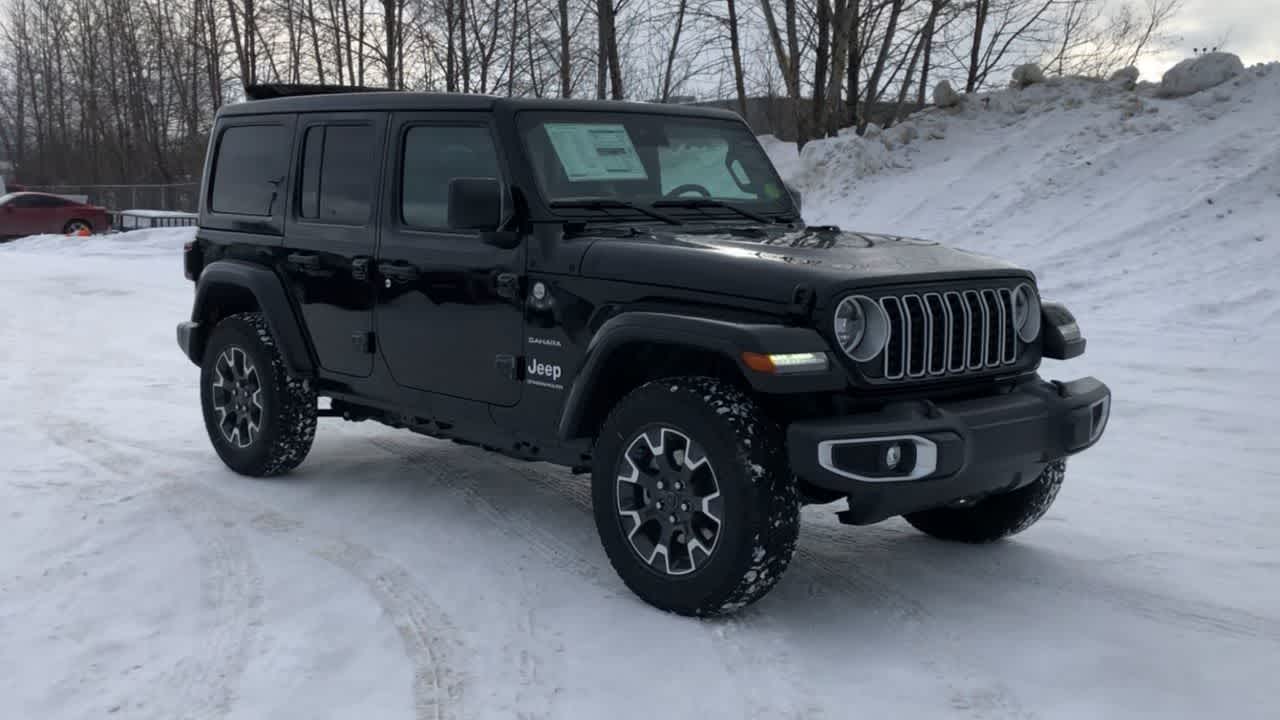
<point x="1126" y="77"/>
<point x="146" y="242"/>
<point x="944" y="96"/>
<point x="1196" y="74"/>
<point x="1029" y="74"/>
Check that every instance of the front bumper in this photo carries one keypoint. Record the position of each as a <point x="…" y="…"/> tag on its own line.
<point x="950" y="451"/>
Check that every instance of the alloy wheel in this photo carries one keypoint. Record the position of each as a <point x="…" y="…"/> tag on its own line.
<point x="237" y="397"/>
<point x="669" y="501"/>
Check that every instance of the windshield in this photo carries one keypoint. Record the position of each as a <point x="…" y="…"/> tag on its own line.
<point x="643" y="159"/>
<point x="4" y="199"/>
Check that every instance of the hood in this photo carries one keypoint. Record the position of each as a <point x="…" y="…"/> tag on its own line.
<point x="768" y="264"/>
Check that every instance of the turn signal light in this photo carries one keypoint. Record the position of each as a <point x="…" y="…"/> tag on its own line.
<point x="786" y="363"/>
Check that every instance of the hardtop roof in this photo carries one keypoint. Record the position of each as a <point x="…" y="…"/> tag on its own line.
<point x="411" y="101"/>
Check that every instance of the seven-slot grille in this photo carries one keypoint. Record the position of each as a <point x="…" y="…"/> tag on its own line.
<point x="935" y="334"/>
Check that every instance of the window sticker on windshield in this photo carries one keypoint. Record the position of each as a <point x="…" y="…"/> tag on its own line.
<point x="595" y="151"/>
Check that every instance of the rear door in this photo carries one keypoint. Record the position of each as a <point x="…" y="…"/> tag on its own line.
<point x="449" y="313"/>
<point x="331" y="233"/>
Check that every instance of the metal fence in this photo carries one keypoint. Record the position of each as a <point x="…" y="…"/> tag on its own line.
<point x="183" y="197"/>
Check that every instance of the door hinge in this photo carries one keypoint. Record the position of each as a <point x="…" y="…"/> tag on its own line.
<point x="507" y="366"/>
<point x="363" y="342"/>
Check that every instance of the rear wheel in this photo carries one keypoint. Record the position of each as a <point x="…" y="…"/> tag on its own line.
<point x="997" y="516"/>
<point x="260" y="420"/>
<point x="693" y="499"/>
<point x="78" y="227"/>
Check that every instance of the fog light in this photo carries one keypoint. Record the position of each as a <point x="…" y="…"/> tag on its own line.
<point x="893" y="456"/>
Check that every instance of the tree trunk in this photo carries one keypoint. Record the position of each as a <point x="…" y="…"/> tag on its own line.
<point x="821" y="63"/>
<point x="930" y="26"/>
<point x="609" y="35"/>
<point x="671" y="54"/>
<point x="451" y="50"/>
<point x="392" y="33"/>
<point x="735" y="49"/>
<point x="566" y="90"/>
<point x="856" y="51"/>
<point x="906" y="78"/>
<point x="981" y="8"/>
<point x="873" y="83"/>
<point x="314" y="31"/>
<point x="843" y="23"/>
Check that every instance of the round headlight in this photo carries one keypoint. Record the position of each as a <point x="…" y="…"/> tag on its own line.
<point x="861" y="327"/>
<point x="1026" y="313"/>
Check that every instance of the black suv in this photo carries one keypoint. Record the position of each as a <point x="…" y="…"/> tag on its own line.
<point x="626" y="290"/>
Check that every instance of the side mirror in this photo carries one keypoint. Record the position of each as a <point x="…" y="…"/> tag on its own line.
<point x="796" y="196"/>
<point x="475" y="204"/>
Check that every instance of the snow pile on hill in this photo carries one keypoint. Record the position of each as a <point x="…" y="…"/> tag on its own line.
<point x="1156" y="208"/>
<point x="1200" y="73"/>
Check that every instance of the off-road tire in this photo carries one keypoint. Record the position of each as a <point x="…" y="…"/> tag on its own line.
<point x="288" y="405"/>
<point x="760" y="505"/>
<point x="997" y="516"/>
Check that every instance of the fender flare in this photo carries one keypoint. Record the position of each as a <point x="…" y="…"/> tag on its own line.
<point x="269" y="292"/>
<point x="728" y="339"/>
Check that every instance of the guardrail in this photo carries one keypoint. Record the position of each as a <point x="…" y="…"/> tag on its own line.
<point x="125" y="220"/>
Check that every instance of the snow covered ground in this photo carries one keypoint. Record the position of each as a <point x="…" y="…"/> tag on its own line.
<point x="393" y="576"/>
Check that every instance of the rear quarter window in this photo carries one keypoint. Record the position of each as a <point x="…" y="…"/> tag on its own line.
<point x="250" y="169"/>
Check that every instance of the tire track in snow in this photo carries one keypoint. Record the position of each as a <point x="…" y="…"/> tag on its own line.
<point x="419" y="622"/>
<point x="424" y="629"/>
<point x="1185" y="614"/>
<point x="937" y="648"/>
<point x="429" y="639"/>
<point x="763" y="678"/>
<point x="230" y="582"/>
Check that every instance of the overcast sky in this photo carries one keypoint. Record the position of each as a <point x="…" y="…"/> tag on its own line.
<point x="1251" y="29"/>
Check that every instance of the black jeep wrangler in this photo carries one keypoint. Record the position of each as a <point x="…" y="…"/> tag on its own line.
<point x="626" y="290"/>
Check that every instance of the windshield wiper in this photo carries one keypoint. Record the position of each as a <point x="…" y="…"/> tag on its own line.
<point x="607" y="204"/>
<point x="700" y="203"/>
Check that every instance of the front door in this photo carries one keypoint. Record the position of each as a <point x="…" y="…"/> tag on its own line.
<point x="26" y="215"/>
<point x="448" y="317"/>
<point x="330" y="234"/>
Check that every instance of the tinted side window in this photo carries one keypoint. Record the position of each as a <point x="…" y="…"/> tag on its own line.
<point x="433" y="156"/>
<point x="25" y="201"/>
<point x="338" y="173"/>
<point x="251" y="165"/>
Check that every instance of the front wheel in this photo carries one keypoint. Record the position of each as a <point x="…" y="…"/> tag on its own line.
<point x="692" y="496"/>
<point x="260" y="420"/>
<point x="997" y="516"/>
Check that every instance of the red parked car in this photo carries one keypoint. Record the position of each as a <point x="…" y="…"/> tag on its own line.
<point x="31" y="213"/>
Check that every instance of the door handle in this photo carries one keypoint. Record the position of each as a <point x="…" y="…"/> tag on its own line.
<point x="310" y="264"/>
<point x="507" y="285"/>
<point x="304" y="260"/>
<point x="398" y="271"/>
<point x="360" y="268"/>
